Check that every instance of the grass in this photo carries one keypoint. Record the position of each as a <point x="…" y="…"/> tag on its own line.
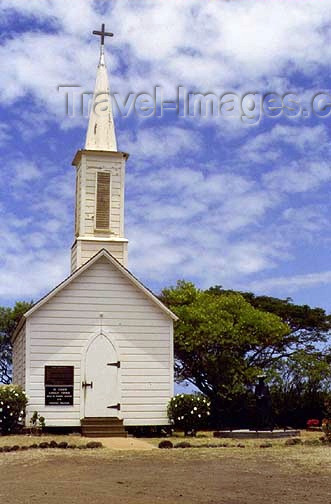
<point x="26" y="440"/>
<point x="308" y="458"/>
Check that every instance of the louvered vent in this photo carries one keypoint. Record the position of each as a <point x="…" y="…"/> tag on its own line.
<point x="103" y="201"/>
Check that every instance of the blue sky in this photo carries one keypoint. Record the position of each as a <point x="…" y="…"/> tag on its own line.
<point x="213" y="200"/>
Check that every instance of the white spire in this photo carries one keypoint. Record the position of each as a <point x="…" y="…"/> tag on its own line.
<point x="101" y="130"/>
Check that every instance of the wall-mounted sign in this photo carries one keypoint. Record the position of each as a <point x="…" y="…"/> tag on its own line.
<point x="59" y="385"/>
<point x="59" y="396"/>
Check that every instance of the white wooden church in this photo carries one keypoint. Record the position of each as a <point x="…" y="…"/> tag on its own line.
<point x="97" y="351"/>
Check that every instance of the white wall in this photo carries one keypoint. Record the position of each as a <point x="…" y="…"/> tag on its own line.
<point x="19" y="359"/>
<point x="60" y="330"/>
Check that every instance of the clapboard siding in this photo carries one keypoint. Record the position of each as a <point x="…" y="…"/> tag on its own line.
<point x="90" y="248"/>
<point x="61" y="329"/>
<point x="19" y="359"/>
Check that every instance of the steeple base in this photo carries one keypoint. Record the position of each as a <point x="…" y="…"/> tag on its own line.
<point x="84" y="248"/>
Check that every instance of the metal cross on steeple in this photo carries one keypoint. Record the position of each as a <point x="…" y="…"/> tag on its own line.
<point x="103" y="34"/>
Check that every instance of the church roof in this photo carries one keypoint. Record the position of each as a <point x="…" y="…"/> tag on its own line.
<point x="79" y="271"/>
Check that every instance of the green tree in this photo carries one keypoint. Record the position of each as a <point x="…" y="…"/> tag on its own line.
<point x="9" y="318"/>
<point x="221" y="341"/>
<point x="302" y="373"/>
<point x="308" y="325"/>
<point x="300" y="386"/>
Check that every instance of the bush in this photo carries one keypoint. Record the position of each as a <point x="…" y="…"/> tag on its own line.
<point x="312" y="422"/>
<point x="189" y="412"/>
<point x="13" y="402"/>
<point x="326" y="424"/>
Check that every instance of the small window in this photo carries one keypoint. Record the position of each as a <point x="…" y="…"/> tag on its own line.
<point x="102" y="213"/>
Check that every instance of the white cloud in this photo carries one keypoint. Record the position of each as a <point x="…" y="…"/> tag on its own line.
<point x="26" y="171"/>
<point x="298" y="176"/>
<point x="210" y="45"/>
<point x="160" y="143"/>
<point x="269" y="146"/>
<point x="4" y="134"/>
<point x="292" y="283"/>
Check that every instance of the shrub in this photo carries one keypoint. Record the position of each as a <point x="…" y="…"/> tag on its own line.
<point x="313" y="422"/>
<point x="189" y="412"/>
<point x="13" y="402"/>
<point x="37" y="421"/>
<point x="326" y="423"/>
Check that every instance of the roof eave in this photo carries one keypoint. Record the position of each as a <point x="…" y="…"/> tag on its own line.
<point x="19" y="326"/>
<point x="81" y="152"/>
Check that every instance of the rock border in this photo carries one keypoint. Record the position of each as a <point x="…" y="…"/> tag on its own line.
<point x="62" y="445"/>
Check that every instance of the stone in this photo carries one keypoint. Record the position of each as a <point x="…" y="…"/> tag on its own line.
<point x="94" y="444"/>
<point x="293" y="441"/>
<point x="166" y="445"/>
<point x="266" y="445"/>
<point x="44" y="445"/>
<point x="183" y="444"/>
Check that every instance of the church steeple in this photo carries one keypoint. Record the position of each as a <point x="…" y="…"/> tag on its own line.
<point x="101" y="131"/>
<point x="100" y="176"/>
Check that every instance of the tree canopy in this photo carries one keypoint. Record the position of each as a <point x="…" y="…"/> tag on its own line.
<point x="224" y="339"/>
<point x="9" y="318"/>
<point x="221" y="342"/>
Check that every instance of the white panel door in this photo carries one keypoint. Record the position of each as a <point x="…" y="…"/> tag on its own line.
<point x="101" y="379"/>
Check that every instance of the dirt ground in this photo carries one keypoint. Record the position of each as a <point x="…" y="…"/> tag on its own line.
<point x="204" y="476"/>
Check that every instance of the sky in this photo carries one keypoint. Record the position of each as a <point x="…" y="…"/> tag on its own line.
<point x="238" y="201"/>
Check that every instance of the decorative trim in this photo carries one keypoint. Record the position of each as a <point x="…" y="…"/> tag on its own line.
<point x="101" y="238"/>
<point x="83" y="152"/>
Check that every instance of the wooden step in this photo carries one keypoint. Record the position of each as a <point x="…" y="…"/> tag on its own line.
<point x="106" y="434"/>
<point x="99" y="428"/>
<point x="101" y="421"/>
<point x="103" y="427"/>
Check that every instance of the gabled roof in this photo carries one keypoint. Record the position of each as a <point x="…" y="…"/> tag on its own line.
<point x="88" y="264"/>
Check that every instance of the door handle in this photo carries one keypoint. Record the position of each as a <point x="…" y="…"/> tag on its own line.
<point x="115" y="406"/>
<point x="85" y="384"/>
<point x="115" y="364"/>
